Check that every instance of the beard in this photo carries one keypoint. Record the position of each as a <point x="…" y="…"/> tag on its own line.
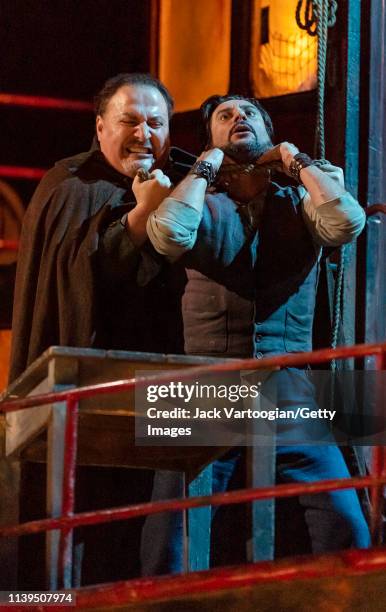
<point x="247" y="152"/>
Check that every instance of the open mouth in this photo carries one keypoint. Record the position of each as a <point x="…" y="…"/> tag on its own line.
<point x="242" y="129"/>
<point x="139" y="150"/>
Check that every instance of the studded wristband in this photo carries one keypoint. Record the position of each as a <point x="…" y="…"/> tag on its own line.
<point x="300" y="161"/>
<point x="204" y="170"/>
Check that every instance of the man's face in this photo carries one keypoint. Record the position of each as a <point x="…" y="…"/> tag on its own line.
<point x="133" y="132"/>
<point x="238" y="128"/>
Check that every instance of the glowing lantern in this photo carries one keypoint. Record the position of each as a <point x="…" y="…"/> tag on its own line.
<point x="283" y="57"/>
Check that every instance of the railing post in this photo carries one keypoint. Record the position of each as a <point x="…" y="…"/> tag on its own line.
<point x="68" y="496"/>
<point x="378" y="464"/>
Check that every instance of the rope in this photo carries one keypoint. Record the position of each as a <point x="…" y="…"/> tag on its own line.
<point x="321" y="29"/>
<point x="315" y="17"/>
<point x="337" y="306"/>
<point x="311" y="12"/>
<point x="322" y="16"/>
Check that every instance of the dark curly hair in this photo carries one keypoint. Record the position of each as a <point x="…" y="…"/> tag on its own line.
<point x="112" y="85"/>
<point x="209" y="106"/>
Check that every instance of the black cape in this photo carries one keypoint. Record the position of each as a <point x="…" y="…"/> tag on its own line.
<point x="56" y="293"/>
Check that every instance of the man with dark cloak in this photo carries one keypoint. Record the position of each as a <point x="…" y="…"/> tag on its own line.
<point x="87" y="276"/>
<point x="71" y="289"/>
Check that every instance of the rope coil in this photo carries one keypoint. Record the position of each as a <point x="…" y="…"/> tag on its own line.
<point x="311" y="13"/>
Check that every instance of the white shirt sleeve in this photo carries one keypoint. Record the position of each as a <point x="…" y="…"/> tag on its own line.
<point x="336" y="221"/>
<point x="172" y="228"/>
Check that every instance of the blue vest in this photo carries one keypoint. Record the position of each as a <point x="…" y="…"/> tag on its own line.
<point x="250" y="292"/>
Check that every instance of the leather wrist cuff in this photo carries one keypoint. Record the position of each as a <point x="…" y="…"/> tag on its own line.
<point x="205" y="170"/>
<point x="300" y="161"/>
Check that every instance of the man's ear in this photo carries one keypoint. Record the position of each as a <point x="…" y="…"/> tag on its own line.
<point x="99" y="125"/>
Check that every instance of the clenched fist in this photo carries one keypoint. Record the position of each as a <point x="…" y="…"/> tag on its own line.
<point x="149" y="194"/>
<point x="213" y="156"/>
<point x="279" y="157"/>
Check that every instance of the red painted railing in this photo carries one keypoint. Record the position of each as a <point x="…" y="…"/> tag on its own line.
<point x="22" y="172"/>
<point x="9" y="245"/>
<point x="46" y="102"/>
<point x="164" y="588"/>
<point x="68" y="520"/>
<point x="38" y="102"/>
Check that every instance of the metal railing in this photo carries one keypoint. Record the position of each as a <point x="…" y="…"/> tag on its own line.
<point x="68" y="520"/>
<point x="43" y="103"/>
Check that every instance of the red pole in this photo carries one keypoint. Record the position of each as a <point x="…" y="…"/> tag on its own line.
<point x="378" y="467"/>
<point x="231" y="497"/>
<point x="153" y="590"/>
<point x="9" y="245"/>
<point x="280" y="361"/>
<point x="20" y="172"/>
<point x="10" y="99"/>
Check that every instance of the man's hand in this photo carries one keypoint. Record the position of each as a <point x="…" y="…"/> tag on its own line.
<point x="192" y="188"/>
<point x="172" y="228"/>
<point x="214" y="157"/>
<point x="149" y="194"/>
<point x="279" y="157"/>
<point x="322" y="184"/>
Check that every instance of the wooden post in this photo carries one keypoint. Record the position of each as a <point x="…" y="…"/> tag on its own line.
<point x="62" y="374"/>
<point x="199" y="522"/>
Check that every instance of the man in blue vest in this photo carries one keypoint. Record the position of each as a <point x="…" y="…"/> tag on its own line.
<point x="251" y="249"/>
